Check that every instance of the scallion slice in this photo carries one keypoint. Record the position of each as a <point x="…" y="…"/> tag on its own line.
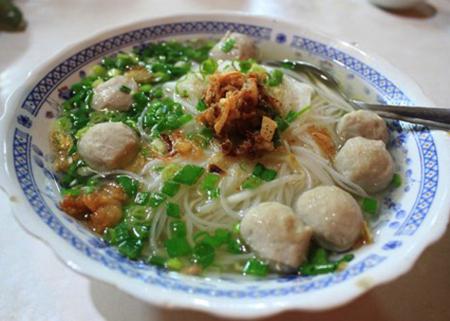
<point x="142" y="198"/>
<point x="396" y="180"/>
<point x="173" y="210"/>
<point x="156" y="199"/>
<point x="203" y="254"/>
<point x="208" y="67"/>
<point x="189" y="174"/>
<point x="201" y="106"/>
<point x="209" y="185"/>
<point x="177" y="247"/>
<point x="369" y="205"/>
<point x="228" y="45"/>
<point x="170" y="188"/>
<point x="256" y="268"/>
<point x="129" y="185"/>
<point x="125" y="89"/>
<point x="275" y="78"/>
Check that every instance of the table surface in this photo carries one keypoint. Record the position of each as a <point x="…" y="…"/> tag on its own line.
<point x="35" y="285"/>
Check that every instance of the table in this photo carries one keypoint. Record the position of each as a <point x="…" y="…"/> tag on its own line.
<point x="35" y="285"/>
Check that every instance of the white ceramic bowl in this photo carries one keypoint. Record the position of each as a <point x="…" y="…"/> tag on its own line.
<point x="413" y="216"/>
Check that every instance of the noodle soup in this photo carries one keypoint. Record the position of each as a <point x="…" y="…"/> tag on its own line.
<point x="194" y="157"/>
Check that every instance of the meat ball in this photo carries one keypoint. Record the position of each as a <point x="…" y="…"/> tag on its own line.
<point x="111" y="94"/>
<point x="243" y="48"/>
<point x="333" y="214"/>
<point x="108" y="146"/>
<point x="362" y="123"/>
<point x="276" y="234"/>
<point x="365" y="162"/>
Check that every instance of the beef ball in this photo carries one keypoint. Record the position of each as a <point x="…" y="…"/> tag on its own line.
<point x="276" y="234"/>
<point x="114" y="94"/>
<point x="362" y="123"/>
<point x="365" y="162"/>
<point x="333" y="214"/>
<point x="108" y="146"/>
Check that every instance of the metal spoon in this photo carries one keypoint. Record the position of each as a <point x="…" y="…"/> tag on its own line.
<point x="428" y="116"/>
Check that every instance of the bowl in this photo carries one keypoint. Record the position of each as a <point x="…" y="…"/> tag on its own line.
<point x="413" y="216"/>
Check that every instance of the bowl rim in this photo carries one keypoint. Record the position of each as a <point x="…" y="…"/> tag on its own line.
<point x="218" y="307"/>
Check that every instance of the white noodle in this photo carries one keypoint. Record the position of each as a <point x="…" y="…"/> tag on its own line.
<point x="300" y="162"/>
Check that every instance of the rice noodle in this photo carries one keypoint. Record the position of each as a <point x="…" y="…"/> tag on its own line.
<point x="299" y="162"/>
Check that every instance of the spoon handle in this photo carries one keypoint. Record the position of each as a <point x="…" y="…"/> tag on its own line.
<point x="425" y="122"/>
<point x="433" y="117"/>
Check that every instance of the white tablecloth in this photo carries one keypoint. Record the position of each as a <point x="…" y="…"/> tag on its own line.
<point x="35" y="285"/>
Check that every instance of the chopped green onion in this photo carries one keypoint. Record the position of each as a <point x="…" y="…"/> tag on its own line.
<point x="88" y="189"/>
<point x="316" y="269"/>
<point x="208" y="67"/>
<point x="97" y="71"/>
<point x="169" y="171"/>
<point x="177" y="229"/>
<point x="264" y="173"/>
<point x="157" y="260"/>
<point x="228" y="45"/>
<point x="117" y="234"/>
<point x="114" y="72"/>
<point x="170" y="188"/>
<point x="125" y="89"/>
<point x="396" y="180"/>
<point x="156" y="199"/>
<point x="256" y="268"/>
<point x="184" y="119"/>
<point x="275" y="78"/>
<point x="259" y="175"/>
<point x="129" y="185"/>
<point x="203" y="138"/>
<point x="303" y="110"/>
<point x="318" y="262"/>
<point x="74" y="191"/>
<point x="97" y="82"/>
<point x="322" y="268"/>
<point x="207" y="133"/>
<point x="252" y="182"/>
<point x="209" y="185"/>
<point x="258" y="170"/>
<point x="282" y="124"/>
<point x="174" y="264"/>
<point x="237" y="228"/>
<point x="163" y="115"/>
<point x="92" y="182"/>
<point x="189" y="174"/>
<point x="136" y="212"/>
<point x="291" y="116"/>
<point x="245" y="65"/>
<point x="220" y="237"/>
<point x="142" y="198"/>
<point x="131" y="249"/>
<point x="319" y="256"/>
<point x="201" y="106"/>
<point x="177" y="247"/>
<point x="173" y="210"/>
<point x="203" y="254"/>
<point x="145" y="88"/>
<point x="236" y="246"/>
<point x="369" y="205"/>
